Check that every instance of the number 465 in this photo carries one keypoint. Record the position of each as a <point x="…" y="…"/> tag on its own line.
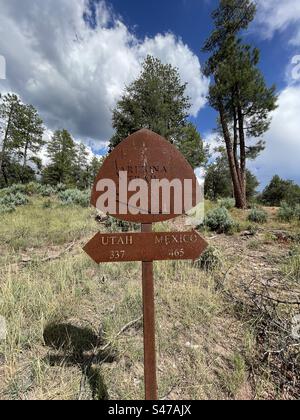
<point x="177" y="253"/>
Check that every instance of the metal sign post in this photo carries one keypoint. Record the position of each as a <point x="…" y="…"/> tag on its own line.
<point x="149" y="326"/>
<point x="145" y="156"/>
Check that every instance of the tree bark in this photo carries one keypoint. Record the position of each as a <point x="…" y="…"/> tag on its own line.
<point x="235" y="144"/>
<point x="238" y="194"/>
<point x="242" y="157"/>
<point x="24" y="162"/>
<point x="25" y="154"/>
<point x="4" y="145"/>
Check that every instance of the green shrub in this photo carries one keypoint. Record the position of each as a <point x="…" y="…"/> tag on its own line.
<point x="60" y="187"/>
<point x="17" y="199"/>
<point x="219" y="220"/>
<point x="7" y="208"/>
<point x="31" y="188"/>
<point x="75" y="197"/>
<point x="297" y="212"/>
<point x="228" y="203"/>
<point x="25" y="189"/>
<point x="257" y="215"/>
<point x="210" y="260"/>
<point x="285" y="213"/>
<point x="16" y="188"/>
<point x="115" y="225"/>
<point x="46" y="190"/>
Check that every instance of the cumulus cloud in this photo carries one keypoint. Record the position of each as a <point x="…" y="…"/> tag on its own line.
<point x="74" y="72"/>
<point x="282" y="154"/>
<point x="278" y="15"/>
<point x="213" y="141"/>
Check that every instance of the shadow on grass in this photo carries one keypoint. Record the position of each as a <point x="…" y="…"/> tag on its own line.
<point x="77" y="346"/>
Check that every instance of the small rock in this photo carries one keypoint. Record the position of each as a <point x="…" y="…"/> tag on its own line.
<point x="191" y="346"/>
<point x="136" y="382"/>
<point x="247" y="233"/>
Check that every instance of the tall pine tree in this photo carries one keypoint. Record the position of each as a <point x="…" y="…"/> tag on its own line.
<point x="218" y="182"/>
<point x="61" y="151"/>
<point x="81" y="167"/>
<point x="238" y="92"/>
<point x="30" y="137"/>
<point x="21" y="133"/>
<point x="10" y="110"/>
<point x="157" y="101"/>
<point x="95" y="166"/>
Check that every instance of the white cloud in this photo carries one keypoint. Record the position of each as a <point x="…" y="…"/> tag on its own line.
<point x="282" y="154"/>
<point x="278" y="15"/>
<point x="213" y="141"/>
<point x="75" y="74"/>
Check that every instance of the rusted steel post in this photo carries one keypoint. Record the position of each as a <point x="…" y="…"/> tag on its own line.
<point x="149" y="327"/>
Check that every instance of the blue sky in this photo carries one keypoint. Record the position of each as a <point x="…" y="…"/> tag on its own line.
<point x="72" y="59"/>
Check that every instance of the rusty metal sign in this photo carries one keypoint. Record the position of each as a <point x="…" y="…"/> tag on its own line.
<point x="155" y="246"/>
<point x="145" y="180"/>
<point x="148" y="158"/>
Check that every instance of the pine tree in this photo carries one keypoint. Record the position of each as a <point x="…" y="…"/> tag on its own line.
<point x="10" y="109"/>
<point x="190" y="143"/>
<point x="157" y="101"/>
<point x="29" y="140"/>
<point x="218" y="182"/>
<point x="94" y="168"/>
<point x="81" y="167"/>
<point x="21" y="139"/>
<point x="239" y="92"/>
<point x="280" y="190"/>
<point x="62" y="153"/>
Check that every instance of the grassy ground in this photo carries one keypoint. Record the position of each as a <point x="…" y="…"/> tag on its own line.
<point x="64" y="314"/>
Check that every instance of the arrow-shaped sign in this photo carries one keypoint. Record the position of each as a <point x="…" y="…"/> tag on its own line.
<point x="154" y="246"/>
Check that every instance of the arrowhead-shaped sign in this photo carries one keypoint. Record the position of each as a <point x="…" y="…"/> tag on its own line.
<point x="148" y="158"/>
<point x="154" y="246"/>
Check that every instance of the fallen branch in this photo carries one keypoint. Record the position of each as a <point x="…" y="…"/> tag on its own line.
<point x="28" y="261"/>
<point x="278" y="301"/>
<point x="124" y="329"/>
<point x="56" y="257"/>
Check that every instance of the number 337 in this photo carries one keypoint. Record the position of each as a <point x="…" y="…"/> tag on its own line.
<point x="117" y="255"/>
